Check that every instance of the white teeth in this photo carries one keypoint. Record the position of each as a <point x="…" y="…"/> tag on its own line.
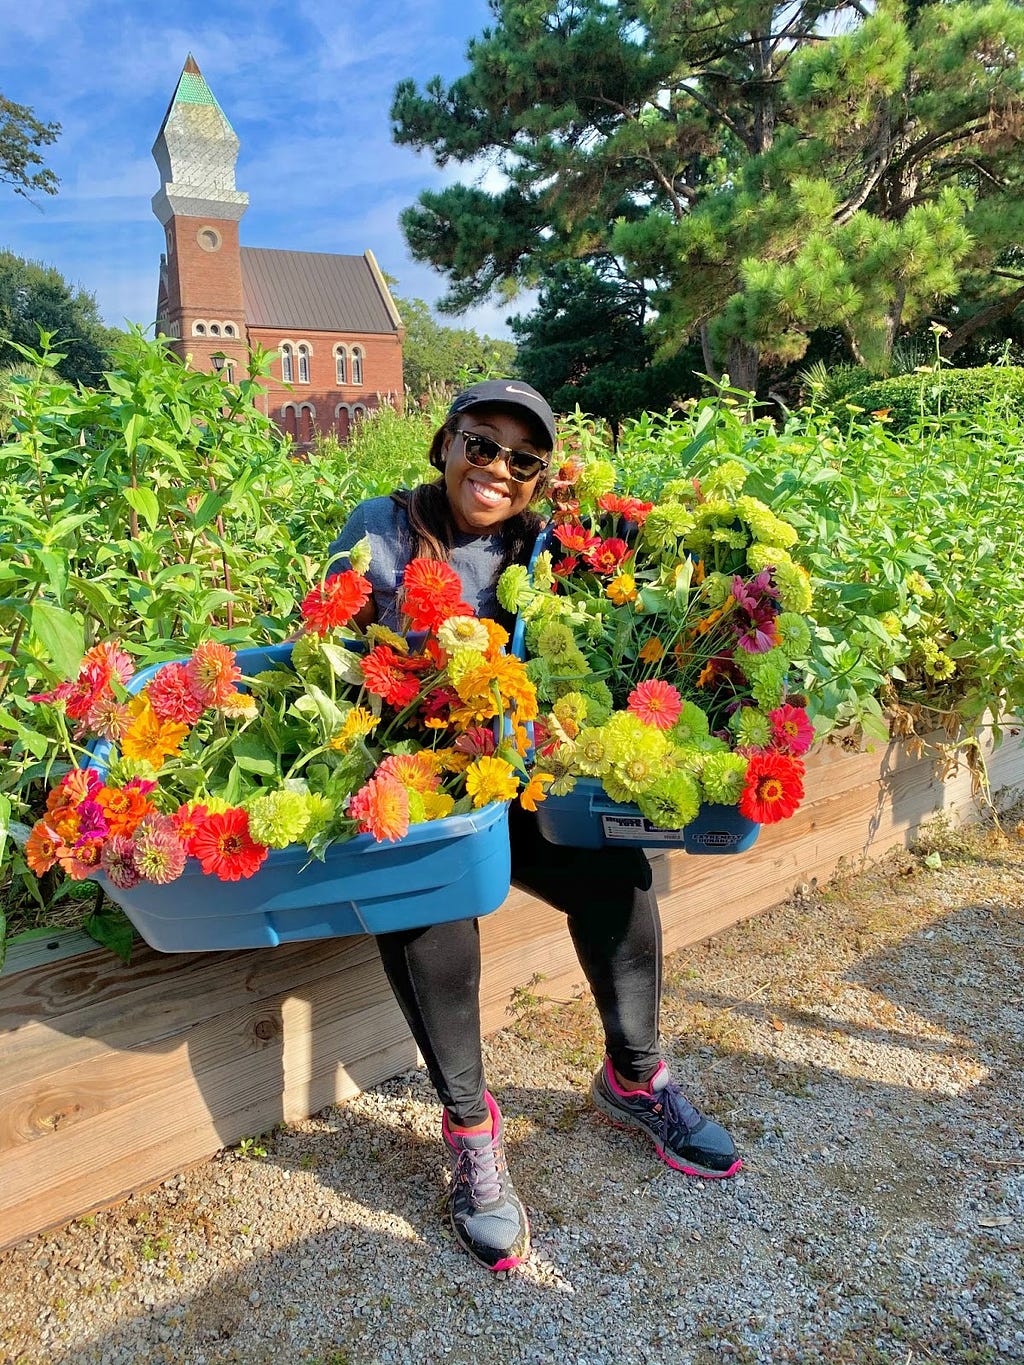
<point x="487" y="492"/>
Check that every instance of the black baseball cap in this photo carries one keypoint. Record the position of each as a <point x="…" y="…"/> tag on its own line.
<point x="509" y="393"/>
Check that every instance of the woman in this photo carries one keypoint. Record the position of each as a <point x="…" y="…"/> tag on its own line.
<point x="492" y="454"/>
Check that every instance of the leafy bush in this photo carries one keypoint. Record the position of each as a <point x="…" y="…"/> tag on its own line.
<point x="909" y="398"/>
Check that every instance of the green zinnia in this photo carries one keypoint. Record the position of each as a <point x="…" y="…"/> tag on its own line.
<point x="672" y="802"/>
<point x="514" y="589"/>
<point x="764" y="525"/>
<point x="278" y="818"/>
<point x="753" y="729"/>
<point x="723" y="777"/>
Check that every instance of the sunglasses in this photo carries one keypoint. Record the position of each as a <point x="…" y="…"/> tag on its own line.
<point x="480" y="451"/>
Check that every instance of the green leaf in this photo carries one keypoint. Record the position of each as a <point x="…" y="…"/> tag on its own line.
<point x="208" y="508"/>
<point x="113" y="930"/>
<point x="253" y="757"/>
<point x="145" y="502"/>
<point x="61" y="635"/>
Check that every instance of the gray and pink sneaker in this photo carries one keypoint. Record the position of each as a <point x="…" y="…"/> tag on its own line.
<point x="486" y="1215"/>
<point x="684" y="1138"/>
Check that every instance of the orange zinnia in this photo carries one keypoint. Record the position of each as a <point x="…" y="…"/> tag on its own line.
<point x="124" y="808"/>
<point x="41" y="848"/>
<point x="381" y="807"/>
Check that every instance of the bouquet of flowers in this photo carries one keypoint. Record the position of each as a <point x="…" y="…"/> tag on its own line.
<point x="661" y="639"/>
<point x="364" y="732"/>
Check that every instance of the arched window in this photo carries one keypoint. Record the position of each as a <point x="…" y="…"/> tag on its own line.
<point x="215" y="329"/>
<point x="229" y="329"/>
<point x="287" y="362"/>
<point x="303" y="363"/>
<point x="289" y="420"/>
<point x="357" y="365"/>
<point x="341" y="364"/>
<point x="342" y="421"/>
<point x="199" y="329"/>
<point x="307" y="418"/>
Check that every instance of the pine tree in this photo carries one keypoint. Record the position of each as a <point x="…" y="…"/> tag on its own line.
<point x="767" y="169"/>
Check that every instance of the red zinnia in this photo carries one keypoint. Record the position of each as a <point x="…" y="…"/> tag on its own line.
<point x="577" y="539"/>
<point x="631" y="508"/>
<point x="387" y="674"/>
<point x="774" y="787"/>
<point x="226" y="849"/>
<point x="431" y="592"/>
<point x="608" y="556"/>
<point x="335" y="603"/>
<point x="567" y="565"/>
<point x="792" y="730"/>
<point x="656" y="703"/>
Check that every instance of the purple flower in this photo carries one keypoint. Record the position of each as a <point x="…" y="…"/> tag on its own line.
<point x="92" y="822"/>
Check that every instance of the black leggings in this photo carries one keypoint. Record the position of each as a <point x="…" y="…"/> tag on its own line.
<point x="607" y="897"/>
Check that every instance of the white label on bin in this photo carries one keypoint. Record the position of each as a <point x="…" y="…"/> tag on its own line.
<point x="636" y="827"/>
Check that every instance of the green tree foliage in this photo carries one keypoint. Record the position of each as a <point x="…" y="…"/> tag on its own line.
<point x="771" y="168"/>
<point x="34" y="296"/>
<point x="586" y="346"/>
<point x="21" y="134"/>
<point x="433" y="354"/>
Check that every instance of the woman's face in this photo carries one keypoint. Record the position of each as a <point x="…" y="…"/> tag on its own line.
<point x="481" y="499"/>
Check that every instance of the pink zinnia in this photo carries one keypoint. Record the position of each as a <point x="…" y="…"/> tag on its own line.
<point x="159" y="855"/>
<point x="656" y="703"/>
<point x="173" y="697"/>
<point x="212" y="671"/>
<point x="118" y="861"/>
<point x="792" y="730"/>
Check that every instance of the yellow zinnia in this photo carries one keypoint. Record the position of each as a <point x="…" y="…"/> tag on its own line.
<point x="490" y="779"/>
<point x="357" y="725"/>
<point x="652" y="651"/>
<point x="621" y="589"/>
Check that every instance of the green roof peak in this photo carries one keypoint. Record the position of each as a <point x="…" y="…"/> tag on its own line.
<point x="192" y="88"/>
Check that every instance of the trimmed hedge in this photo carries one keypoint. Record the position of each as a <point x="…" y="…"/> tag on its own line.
<point x="911" y="396"/>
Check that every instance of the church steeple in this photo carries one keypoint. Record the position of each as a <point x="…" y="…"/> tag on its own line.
<point x="195" y="151"/>
<point x="201" y="303"/>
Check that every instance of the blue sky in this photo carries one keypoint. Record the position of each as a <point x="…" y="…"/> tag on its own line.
<point x="307" y="86"/>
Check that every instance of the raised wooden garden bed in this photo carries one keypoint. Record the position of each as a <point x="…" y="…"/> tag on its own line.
<point x="114" y="1077"/>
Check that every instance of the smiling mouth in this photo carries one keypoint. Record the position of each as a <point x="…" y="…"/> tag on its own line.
<point x="487" y="493"/>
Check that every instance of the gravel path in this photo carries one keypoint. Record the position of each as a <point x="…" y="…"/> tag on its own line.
<point x="866" y="1047"/>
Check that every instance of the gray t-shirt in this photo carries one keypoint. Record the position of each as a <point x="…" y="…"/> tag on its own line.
<point x="477" y="559"/>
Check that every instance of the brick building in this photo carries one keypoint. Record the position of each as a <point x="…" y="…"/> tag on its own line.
<point x="329" y="319"/>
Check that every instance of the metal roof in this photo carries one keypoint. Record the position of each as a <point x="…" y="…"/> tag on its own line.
<point x="313" y="291"/>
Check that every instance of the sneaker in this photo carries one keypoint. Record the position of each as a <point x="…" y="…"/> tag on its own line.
<point x="486" y="1215"/>
<point x="685" y="1139"/>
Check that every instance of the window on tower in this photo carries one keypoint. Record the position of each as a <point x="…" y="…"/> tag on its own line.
<point x="199" y="329"/>
<point x="287" y="362"/>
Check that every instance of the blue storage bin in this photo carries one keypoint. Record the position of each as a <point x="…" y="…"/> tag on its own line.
<point x="589" y="818"/>
<point x="455" y="868"/>
<point x="449" y="869"/>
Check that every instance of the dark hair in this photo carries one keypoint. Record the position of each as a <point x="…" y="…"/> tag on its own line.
<point x="430" y="515"/>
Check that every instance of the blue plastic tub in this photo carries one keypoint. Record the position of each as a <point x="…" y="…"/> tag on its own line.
<point x="588" y="818"/>
<point x="455" y="868"/>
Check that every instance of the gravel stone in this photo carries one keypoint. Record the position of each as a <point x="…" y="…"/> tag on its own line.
<point x="864" y="1042"/>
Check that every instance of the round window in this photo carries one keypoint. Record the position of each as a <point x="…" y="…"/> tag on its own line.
<point x="208" y="238"/>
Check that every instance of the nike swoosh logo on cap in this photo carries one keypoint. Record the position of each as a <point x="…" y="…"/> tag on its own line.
<point x="509" y="388"/>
